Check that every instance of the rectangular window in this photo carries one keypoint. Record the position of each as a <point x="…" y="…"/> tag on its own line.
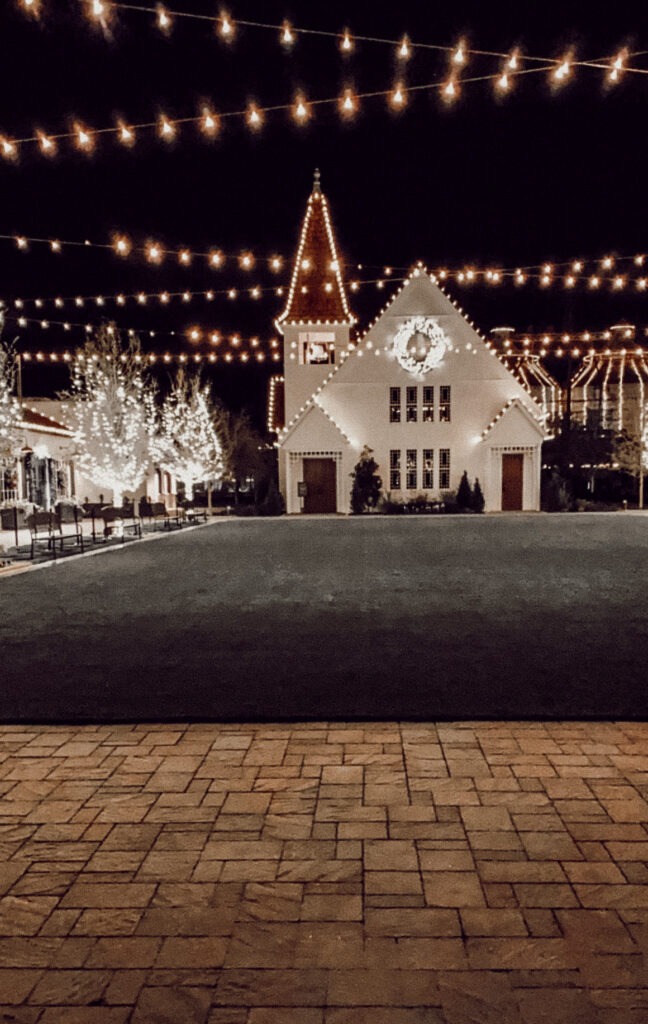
<point x="316" y="347"/>
<point x="394" y="405"/>
<point x="411" y="469"/>
<point x="412" y="403"/>
<point x="444" y="469"/>
<point x="428" y="404"/>
<point x="444" y="403"/>
<point x="394" y="469"/>
<point x="428" y="469"/>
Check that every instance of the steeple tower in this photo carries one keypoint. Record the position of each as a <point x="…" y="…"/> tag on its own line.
<point x="316" y="319"/>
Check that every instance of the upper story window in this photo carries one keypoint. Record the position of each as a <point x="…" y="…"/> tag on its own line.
<point x="444" y="403"/>
<point x="412" y="404"/>
<point x="427" y="413"/>
<point x="316" y="347"/>
<point x="394" y="405"/>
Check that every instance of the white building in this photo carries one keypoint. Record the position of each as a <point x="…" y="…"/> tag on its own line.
<point x="421" y="387"/>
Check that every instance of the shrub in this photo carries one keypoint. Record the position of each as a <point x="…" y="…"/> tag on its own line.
<point x="365" y="493"/>
<point x="478" y="502"/>
<point x="464" y="494"/>
<point x="273" y="503"/>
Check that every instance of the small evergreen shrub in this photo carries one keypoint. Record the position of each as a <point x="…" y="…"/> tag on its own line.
<point x="478" y="502"/>
<point x="464" y="494"/>
<point x="365" y="493"/>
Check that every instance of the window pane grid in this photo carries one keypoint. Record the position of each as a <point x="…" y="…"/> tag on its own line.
<point x="444" y="468"/>
<point x="444" y="403"/>
<point x="411" y="469"/>
<point x="394" y="469"/>
<point x="428" y="469"/>
<point x="394" y="405"/>
<point x="428" y="404"/>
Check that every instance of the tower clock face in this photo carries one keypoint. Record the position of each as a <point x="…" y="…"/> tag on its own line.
<point x="420" y="345"/>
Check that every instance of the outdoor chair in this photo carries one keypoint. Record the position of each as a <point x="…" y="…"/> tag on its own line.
<point x="42" y="532"/>
<point x="193" y="515"/>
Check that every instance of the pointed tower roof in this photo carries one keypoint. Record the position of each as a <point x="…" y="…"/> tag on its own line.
<point x="316" y="293"/>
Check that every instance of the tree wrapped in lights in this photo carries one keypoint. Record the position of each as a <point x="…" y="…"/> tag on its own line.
<point x="10" y="436"/>
<point x="111" y="412"/>
<point x="186" y="443"/>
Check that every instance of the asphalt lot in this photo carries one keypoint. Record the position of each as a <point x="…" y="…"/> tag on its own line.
<point x="507" y="617"/>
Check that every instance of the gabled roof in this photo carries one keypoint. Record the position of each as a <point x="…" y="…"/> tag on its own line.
<point x="316" y="293"/>
<point x="32" y="419"/>
<point x="515" y="403"/>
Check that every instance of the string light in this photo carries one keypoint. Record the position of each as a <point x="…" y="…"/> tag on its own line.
<point x="449" y="90"/>
<point x="47" y="145"/>
<point x="126" y="134"/>
<point x="618" y="67"/>
<point x="287" y="36"/>
<point x="404" y="49"/>
<point x="254" y="117"/>
<point x="166" y="129"/>
<point x="398" y="97"/>
<point x="513" y="62"/>
<point x="9" y="148"/>
<point x="503" y="83"/>
<point x="563" y="71"/>
<point x="154" y="252"/>
<point x="226" y="26"/>
<point x="348" y="104"/>
<point x="83" y="138"/>
<point x="346" y="43"/>
<point x="459" y="56"/>
<point x="302" y="111"/>
<point x="163" y="19"/>
<point x="209" y="122"/>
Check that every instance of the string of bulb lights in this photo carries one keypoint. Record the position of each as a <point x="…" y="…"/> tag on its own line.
<point x="593" y="272"/>
<point x="301" y="109"/>
<point x="102" y="12"/>
<point x="151" y="357"/>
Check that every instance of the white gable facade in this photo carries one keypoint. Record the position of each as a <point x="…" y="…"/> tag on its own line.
<point x="425" y="391"/>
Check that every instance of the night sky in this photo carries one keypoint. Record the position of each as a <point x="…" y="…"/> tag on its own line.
<point x="508" y="182"/>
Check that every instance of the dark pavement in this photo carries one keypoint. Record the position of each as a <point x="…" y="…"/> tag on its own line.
<point x="507" y="617"/>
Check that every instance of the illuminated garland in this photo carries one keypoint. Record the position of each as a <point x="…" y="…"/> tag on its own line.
<point x="593" y="273"/>
<point x="102" y="12"/>
<point x="155" y="357"/>
<point x="209" y="122"/>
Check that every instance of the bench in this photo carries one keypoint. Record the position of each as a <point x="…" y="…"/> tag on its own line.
<point x="68" y="524"/>
<point x="42" y="531"/>
<point x="120" y="521"/>
<point x="194" y="515"/>
<point x="161" y="514"/>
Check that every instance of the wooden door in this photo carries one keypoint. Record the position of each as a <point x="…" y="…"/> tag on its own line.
<point x="512" y="481"/>
<point x="320" y="480"/>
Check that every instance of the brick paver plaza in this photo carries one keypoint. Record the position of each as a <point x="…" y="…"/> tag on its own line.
<point x="324" y="874"/>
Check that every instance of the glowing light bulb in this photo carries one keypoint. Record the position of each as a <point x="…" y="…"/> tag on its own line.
<point x="166" y="129"/>
<point x="398" y="97"/>
<point x="232" y="293"/>
<point x="247" y="261"/>
<point x="639" y="261"/>
<point x="55" y="246"/>
<point x="618" y="67"/>
<point x="459" y="56"/>
<point x="513" y="63"/>
<point x="209" y="122"/>
<point x="141" y="298"/>
<point x="164" y="298"/>
<point x="287" y="36"/>
<point x="215" y="258"/>
<point x="594" y="281"/>
<point x="255" y="292"/>
<point x="577" y="266"/>
<point x="47" y="145"/>
<point x="9" y="148"/>
<point x="98" y="10"/>
<point x="254" y="117"/>
<point x="619" y="282"/>
<point x="404" y="50"/>
<point x="346" y="43"/>
<point x="154" y="252"/>
<point x="194" y="334"/>
<point x="503" y="83"/>
<point x="301" y="112"/>
<point x="126" y="134"/>
<point x="563" y="71"/>
<point x="121" y="300"/>
<point x="547" y="269"/>
<point x="226" y="26"/>
<point x="184" y="257"/>
<point x="570" y="281"/>
<point x="186" y="296"/>
<point x="121" y="245"/>
<point x="306" y="264"/>
<point x="276" y="263"/>
<point x="450" y="91"/>
<point x="641" y="283"/>
<point x="607" y="263"/>
<point x="31" y="7"/>
<point x="348" y="104"/>
<point x="83" y="138"/>
<point x="163" y="19"/>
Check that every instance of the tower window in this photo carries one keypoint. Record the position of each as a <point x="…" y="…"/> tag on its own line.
<point x="444" y="469"/>
<point x="412" y="403"/>
<point x="428" y="404"/>
<point x="444" y="403"/>
<point x="316" y="347"/>
<point x="394" y="405"/>
<point x="394" y="469"/>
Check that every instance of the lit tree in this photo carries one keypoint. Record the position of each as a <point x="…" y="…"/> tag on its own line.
<point x="111" y="413"/>
<point x="186" y="442"/>
<point x="10" y="436"/>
